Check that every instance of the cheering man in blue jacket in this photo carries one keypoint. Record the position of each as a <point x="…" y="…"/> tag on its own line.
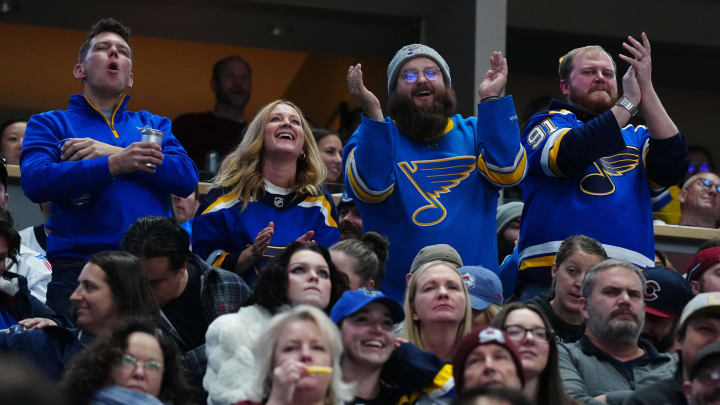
<point x="90" y="162"/>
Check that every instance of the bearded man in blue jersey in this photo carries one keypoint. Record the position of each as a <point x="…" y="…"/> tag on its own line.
<point x="424" y="176"/>
<point x="589" y="171"/>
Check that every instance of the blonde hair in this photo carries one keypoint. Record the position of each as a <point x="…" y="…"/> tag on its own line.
<point x="339" y="391"/>
<point x="412" y="327"/>
<point x="240" y="170"/>
<point x="490" y="313"/>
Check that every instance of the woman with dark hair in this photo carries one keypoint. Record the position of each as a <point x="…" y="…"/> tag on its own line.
<point x="330" y="147"/>
<point x="303" y="273"/>
<point x="267" y="193"/>
<point x="530" y="330"/>
<point x="561" y="305"/>
<point x="132" y="357"/>
<point x="110" y="286"/>
<point x="362" y="260"/>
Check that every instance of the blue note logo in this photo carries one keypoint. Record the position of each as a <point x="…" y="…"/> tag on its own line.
<point x="432" y="178"/>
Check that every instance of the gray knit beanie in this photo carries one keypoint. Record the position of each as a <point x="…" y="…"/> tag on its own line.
<point x="408" y="52"/>
<point x="508" y="212"/>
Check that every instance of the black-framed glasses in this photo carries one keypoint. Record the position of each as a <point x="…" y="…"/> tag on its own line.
<point x="411" y="76"/>
<point x="130" y="363"/>
<point x="518" y="333"/>
<point x="705" y="183"/>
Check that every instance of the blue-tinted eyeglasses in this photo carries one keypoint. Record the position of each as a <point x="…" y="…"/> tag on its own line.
<point x="411" y="76"/>
<point x="705" y="183"/>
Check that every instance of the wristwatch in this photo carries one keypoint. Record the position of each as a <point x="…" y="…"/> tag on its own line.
<point x="626" y="104"/>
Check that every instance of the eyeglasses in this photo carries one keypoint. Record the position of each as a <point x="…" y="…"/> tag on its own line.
<point x="411" y="76"/>
<point x="709" y="377"/>
<point x="705" y="183"/>
<point x="518" y="333"/>
<point x="130" y="363"/>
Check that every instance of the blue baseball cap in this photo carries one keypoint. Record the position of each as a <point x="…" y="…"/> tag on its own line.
<point x="666" y="292"/>
<point x="354" y="300"/>
<point x="483" y="285"/>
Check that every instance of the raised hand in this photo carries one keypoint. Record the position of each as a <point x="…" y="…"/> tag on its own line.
<point x="631" y="88"/>
<point x="284" y="380"/>
<point x="86" y="148"/>
<point x="640" y="60"/>
<point x="135" y="158"/>
<point x="367" y="100"/>
<point x="262" y="240"/>
<point x="495" y="78"/>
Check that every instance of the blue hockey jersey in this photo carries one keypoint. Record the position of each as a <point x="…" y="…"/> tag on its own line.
<point x="588" y="176"/>
<point x="444" y="190"/>
<point x="223" y="229"/>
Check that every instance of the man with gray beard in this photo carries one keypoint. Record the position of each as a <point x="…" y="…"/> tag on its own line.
<point x="610" y="361"/>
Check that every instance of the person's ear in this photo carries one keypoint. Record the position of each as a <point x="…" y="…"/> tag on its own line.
<point x="564" y="87"/>
<point x="79" y="71"/>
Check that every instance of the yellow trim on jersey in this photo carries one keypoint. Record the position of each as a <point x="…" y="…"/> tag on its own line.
<point x="219" y="260"/>
<point x="441" y="378"/>
<point x="508" y="178"/>
<point x="357" y="189"/>
<point x="448" y="127"/>
<point x="326" y="204"/>
<point x="220" y="200"/>
<point x="552" y="156"/>
<point x="110" y="123"/>
<point x="542" y="261"/>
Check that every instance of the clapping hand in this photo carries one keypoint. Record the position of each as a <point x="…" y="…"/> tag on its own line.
<point x="367" y="100"/>
<point x="495" y="78"/>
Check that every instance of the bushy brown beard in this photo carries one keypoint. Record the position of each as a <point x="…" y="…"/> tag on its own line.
<point x="420" y="124"/>
<point x="595" y="106"/>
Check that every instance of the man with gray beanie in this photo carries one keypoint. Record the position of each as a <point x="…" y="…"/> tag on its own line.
<point x="424" y="176"/>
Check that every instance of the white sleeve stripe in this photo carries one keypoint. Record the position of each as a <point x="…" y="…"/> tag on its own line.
<point x="508" y="169"/>
<point x="358" y="179"/>
<point x="545" y="157"/>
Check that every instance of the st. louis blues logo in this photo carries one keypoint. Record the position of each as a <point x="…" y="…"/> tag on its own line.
<point x="432" y="178"/>
<point x="600" y="183"/>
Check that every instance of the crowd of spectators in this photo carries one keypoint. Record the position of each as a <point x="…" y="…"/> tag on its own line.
<point x="263" y="291"/>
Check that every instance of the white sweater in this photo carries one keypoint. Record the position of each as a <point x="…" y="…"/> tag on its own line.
<point x="229" y="341"/>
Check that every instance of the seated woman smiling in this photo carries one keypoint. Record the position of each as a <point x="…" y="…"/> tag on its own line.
<point x="267" y="193"/>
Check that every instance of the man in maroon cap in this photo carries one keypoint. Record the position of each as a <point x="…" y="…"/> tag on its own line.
<point x="487" y="357"/>
<point x="704" y="271"/>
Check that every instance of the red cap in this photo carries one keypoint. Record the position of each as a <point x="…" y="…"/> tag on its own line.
<point x="703" y="260"/>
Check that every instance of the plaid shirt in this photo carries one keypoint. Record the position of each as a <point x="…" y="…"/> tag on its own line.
<point x="221" y="292"/>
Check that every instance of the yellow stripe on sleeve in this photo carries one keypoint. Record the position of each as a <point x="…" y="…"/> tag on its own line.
<point x="542" y="261"/>
<point x="552" y="156"/>
<point x="219" y="260"/>
<point x="504" y="178"/>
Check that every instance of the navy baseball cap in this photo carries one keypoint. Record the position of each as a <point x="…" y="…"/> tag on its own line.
<point x="345" y="199"/>
<point x="354" y="300"/>
<point x="666" y="292"/>
<point x="483" y="285"/>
